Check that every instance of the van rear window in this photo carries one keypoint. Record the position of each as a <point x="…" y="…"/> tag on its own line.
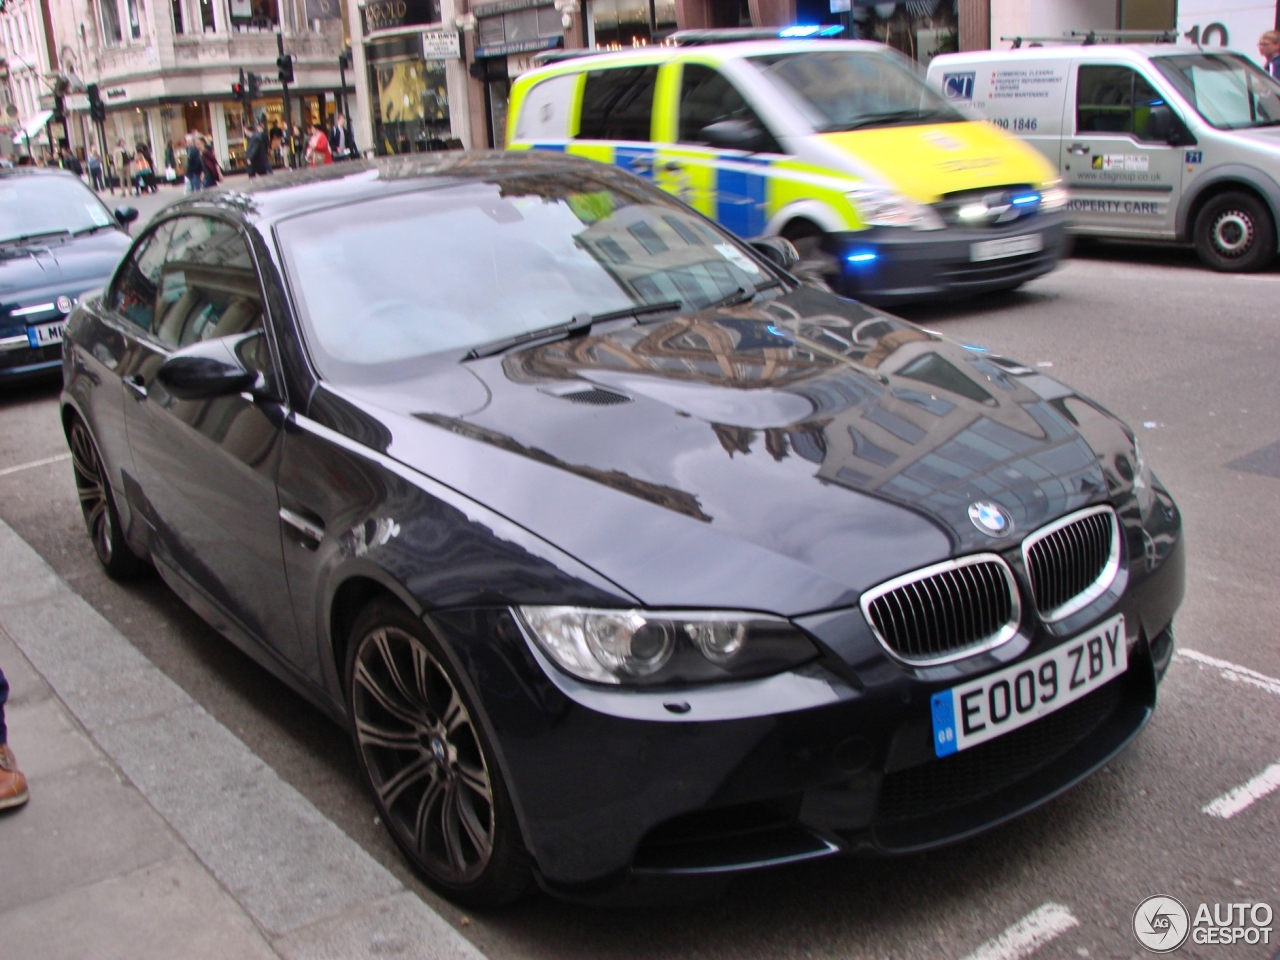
<point x="618" y="104"/>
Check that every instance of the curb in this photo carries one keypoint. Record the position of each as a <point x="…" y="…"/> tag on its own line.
<point x="313" y="891"/>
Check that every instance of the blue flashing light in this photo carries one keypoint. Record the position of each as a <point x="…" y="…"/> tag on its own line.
<point x="862" y="256"/>
<point x="800" y="30"/>
<point x="1024" y="199"/>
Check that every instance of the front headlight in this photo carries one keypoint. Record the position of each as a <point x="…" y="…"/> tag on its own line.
<point x="644" y="647"/>
<point x="882" y="207"/>
<point x="1053" y="196"/>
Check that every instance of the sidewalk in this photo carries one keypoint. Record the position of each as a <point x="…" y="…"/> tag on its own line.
<point x="152" y="831"/>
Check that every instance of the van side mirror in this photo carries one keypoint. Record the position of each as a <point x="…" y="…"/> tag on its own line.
<point x="734" y="135"/>
<point x="1165" y="126"/>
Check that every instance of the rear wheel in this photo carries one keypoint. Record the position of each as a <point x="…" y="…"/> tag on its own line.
<point x="428" y="761"/>
<point x="98" y="506"/>
<point x="1235" y="233"/>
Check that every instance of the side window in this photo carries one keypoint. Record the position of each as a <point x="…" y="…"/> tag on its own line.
<point x="208" y="284"/>
<point x="618" y="104"/>
<point x="134" y="295"/>
<point x="1115" y="100"/>
<point x="706" y="97"/>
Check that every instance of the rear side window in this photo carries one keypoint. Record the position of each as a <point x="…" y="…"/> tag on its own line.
<point x="706" y="97"/>
<point x="1113" y="99"/>
<point x="618" y="104"/>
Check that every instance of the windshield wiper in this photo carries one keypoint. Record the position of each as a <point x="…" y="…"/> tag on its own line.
<point x="96" y="227"/>
<point x="741" y="296"/>
<point x="580" y="323"/>
<point x="885" y="119"/>
<point x="28" y="237"/>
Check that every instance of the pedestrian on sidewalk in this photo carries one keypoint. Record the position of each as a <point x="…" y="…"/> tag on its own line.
<point x="13" y="785"/>
<point x="95" y="170"/>
<point x="257" y="156"/>
<point x="1269" y="48"/>
<point x="195" y="166"/>
<point x="318" y="154"/>
<point x="209" y="160"/>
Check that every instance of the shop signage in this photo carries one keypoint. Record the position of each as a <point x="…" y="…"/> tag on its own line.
<point x="76" y="101"/>
<point x="520" y="46"/>
<point x="384" y="14"/>
<point x="441" y="45"/>
<point x="506" y="6"/>
<point x="117" y="93"/>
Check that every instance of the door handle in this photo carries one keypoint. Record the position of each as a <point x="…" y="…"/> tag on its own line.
<point x="1079" y="149"/>
<point x="312" y="532"/>
<point x="138" y="384"/>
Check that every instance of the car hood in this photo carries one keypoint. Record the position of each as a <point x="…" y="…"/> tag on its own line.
<point x="782" y="456"/>
<point x="39" y="272"/>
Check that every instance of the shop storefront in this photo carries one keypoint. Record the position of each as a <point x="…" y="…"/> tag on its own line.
<point x="508" y="34"/>
<point x="409" y="91"/>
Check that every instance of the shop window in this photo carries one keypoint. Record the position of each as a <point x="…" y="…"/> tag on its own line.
<point x="1112" y="99"/>
<point x="618" y="104"/>
<point x="111" y="34"/>
<point x="706" y="97"/>
<point x="254" y="16"/>
<point x="411" y="106"/>
<point x="626" y="23"/>
<point x="535" y="23"/>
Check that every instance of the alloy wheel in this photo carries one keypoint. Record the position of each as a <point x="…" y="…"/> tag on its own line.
<point x="91" y="485"/>
<point x="423" y="754"/>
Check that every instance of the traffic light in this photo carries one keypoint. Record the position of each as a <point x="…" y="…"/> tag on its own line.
<point x="97" y="109"/>
<point x="284" y="63"/>
<point x="237" y="91"/>
<point x="254" y="83"/>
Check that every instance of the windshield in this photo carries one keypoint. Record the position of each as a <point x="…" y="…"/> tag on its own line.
<point x="854" y="89"/>
<point x="1227" y="90"/>
<point x="389" y="280"/>
<point x="34" y="205"/>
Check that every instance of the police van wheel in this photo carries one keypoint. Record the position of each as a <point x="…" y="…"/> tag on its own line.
<point x="1234" y="232"/>
<point x="817" y="262"/>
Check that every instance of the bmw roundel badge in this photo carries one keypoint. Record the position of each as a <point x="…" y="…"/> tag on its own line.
<point x="990" y="518"/>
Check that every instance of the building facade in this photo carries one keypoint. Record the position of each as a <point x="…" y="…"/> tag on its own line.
<point x="30" y="60"/>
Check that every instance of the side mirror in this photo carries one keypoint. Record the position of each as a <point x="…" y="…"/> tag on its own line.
<point x="126" y="215"/>
<point x="206" y="370"/>
<point x="734" y="135"/>
<point x="779" y="251"/>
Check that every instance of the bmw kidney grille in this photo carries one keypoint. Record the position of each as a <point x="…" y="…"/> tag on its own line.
<point x="1073" y="561"/>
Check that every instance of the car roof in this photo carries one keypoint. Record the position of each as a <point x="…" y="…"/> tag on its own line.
<point x="270" y="198"/>
<point x="8" y="172"/>
<point x="732" y="50"/>
<point x="1124" y="51"/>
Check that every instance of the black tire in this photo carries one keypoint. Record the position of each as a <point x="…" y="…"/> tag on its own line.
<point x="818" y="262"/>
<point x="1235" y="233"/>
<point x="98" y="505"/>
<point x="428" y="761"/>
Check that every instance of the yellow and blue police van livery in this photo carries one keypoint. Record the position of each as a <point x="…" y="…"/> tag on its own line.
<point x="838" y="146"/>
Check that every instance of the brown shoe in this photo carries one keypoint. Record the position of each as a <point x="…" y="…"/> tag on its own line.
<point x="13" y="785"/>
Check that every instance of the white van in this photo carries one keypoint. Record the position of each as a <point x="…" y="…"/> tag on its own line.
<point x="1154" y="141"/>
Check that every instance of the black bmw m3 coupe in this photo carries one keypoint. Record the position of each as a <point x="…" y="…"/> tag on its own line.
<point x="625" y="557"/>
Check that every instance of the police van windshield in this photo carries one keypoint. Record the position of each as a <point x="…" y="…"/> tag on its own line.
<point x="854" y="90"/>
<point x="1227" y="90"/>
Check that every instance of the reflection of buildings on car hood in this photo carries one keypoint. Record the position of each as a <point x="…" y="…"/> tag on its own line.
<point x="888" y="409"/>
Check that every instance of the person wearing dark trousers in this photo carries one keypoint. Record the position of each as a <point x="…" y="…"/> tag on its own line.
<point x="341" y="143"/>
<point x="257" y="157"/>
<point x="212" y="173"/>
<point x="195" y="166"/>
<point x="13" y="785"/>
<point x="70" y="162"/>
<point x="95" y="170"/>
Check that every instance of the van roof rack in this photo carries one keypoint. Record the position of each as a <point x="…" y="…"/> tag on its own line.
<point x="1090" y="37"/>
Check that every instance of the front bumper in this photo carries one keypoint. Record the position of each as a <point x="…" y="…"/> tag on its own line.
<point x="896" y="266"/>
<point x="615" y="788"/>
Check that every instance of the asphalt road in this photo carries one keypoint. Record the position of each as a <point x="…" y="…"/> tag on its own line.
<point x="1190" y="359"/>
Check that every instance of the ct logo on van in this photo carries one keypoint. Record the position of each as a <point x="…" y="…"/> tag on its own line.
<point x="957" y="86"/>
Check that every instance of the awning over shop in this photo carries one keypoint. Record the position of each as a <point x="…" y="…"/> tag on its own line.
<point x="33" y="127"/>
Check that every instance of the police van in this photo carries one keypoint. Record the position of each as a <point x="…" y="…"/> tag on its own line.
<point x="837" y="146"/>
<point x="1154" y="141"/>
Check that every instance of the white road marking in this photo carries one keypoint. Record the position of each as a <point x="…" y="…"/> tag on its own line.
<point x="34" y="463"/>
<point x="1241" y="798"/>
<point x="1235" y="672"/>
<point x="1028" y="935"/>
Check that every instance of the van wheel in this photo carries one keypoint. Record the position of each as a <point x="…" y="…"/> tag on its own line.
<point x="1235" y="233"/>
